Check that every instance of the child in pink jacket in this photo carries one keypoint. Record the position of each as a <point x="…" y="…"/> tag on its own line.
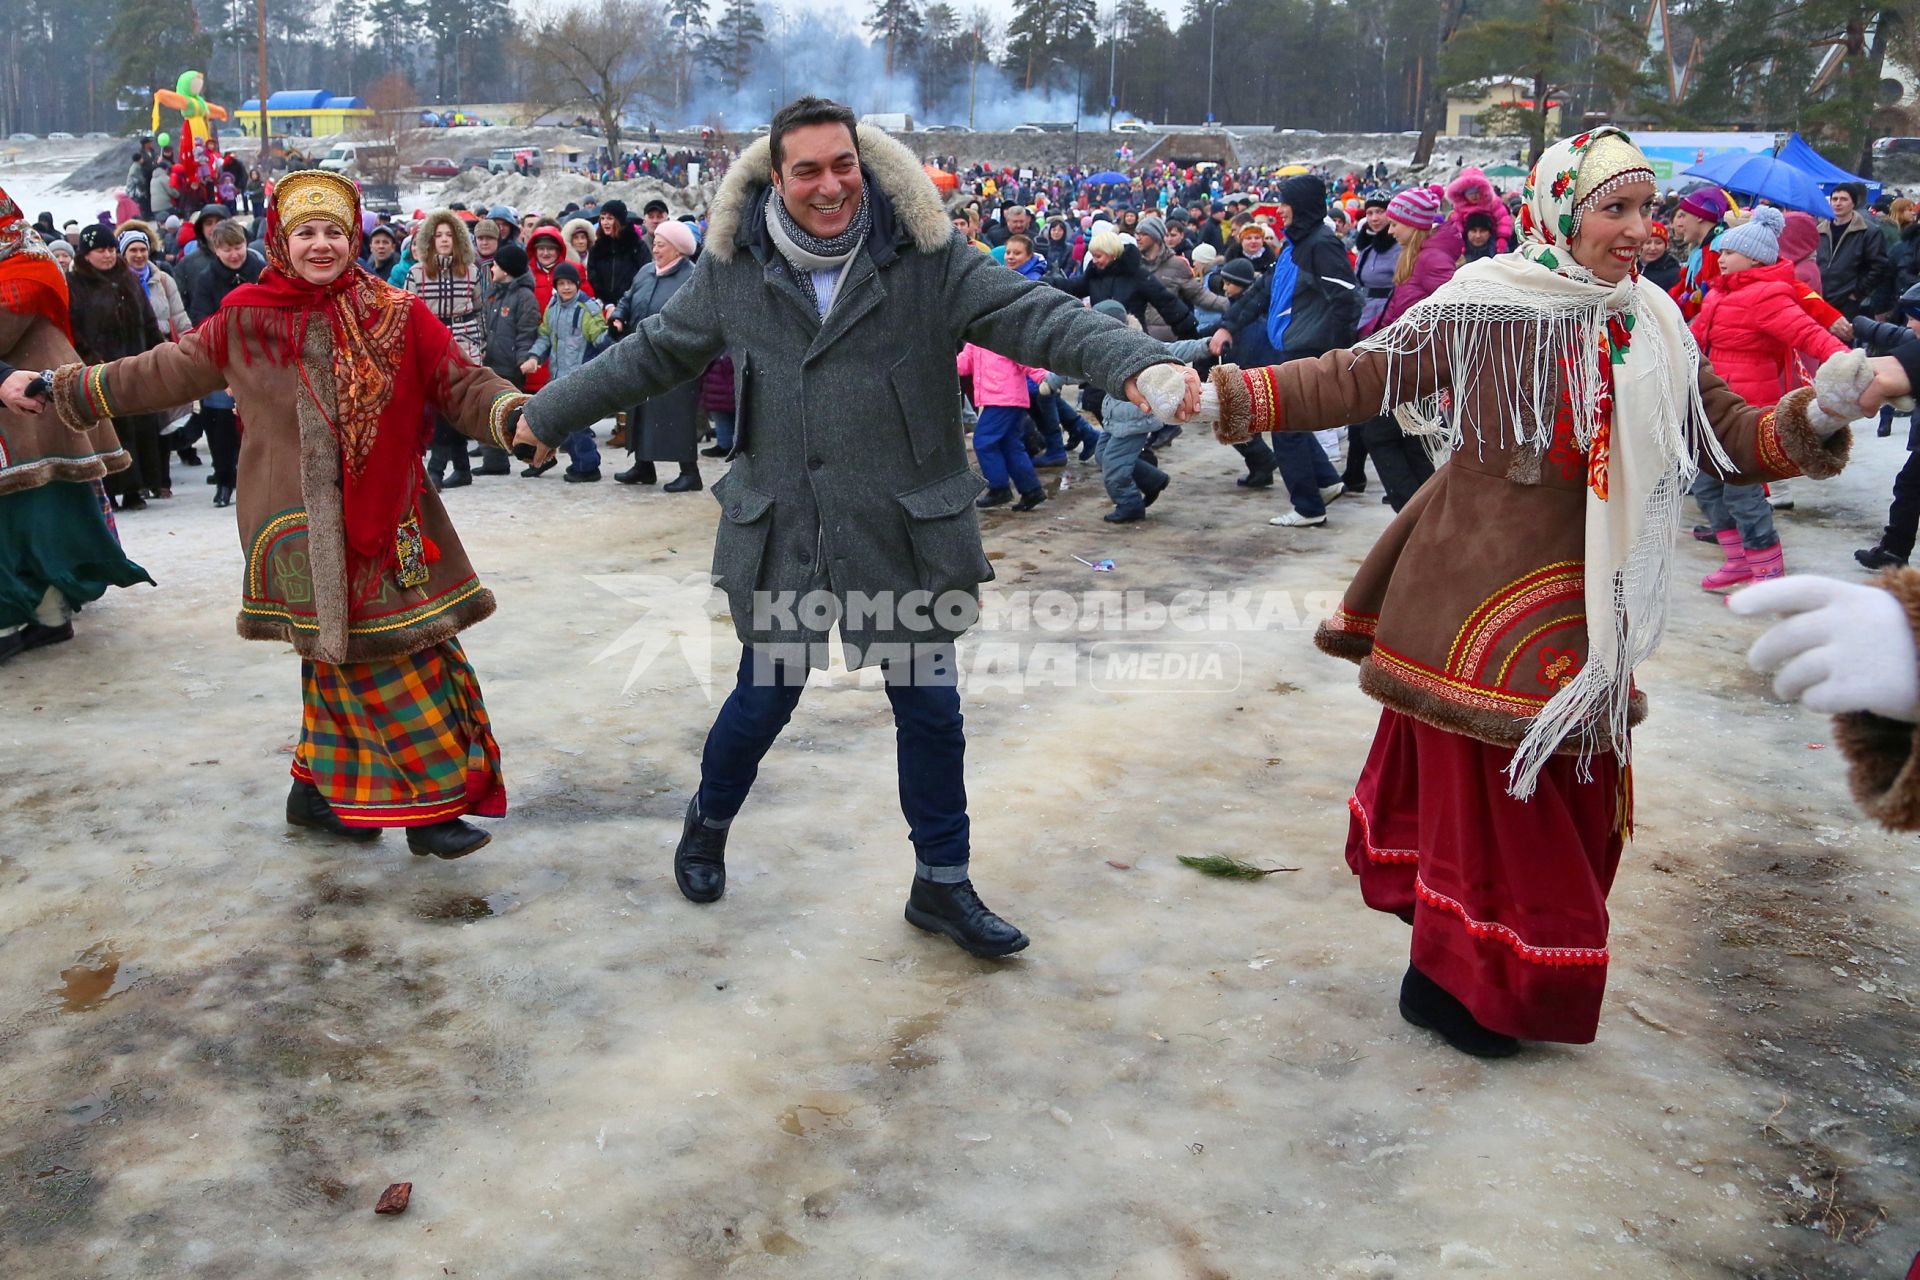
<point x="1750" y="329"/>
<point x="1000" y="437"/>
<point x="1472" y="192"/>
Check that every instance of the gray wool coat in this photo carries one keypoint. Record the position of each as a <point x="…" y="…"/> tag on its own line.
<point x="850" y="481"/>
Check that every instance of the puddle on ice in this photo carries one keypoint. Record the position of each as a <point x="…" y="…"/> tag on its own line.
<point x="780" y="1244"/>
<point x="820" y="1113"/>
<point x="909" y="1054"/>
<point x="462" y="908"/>
<point x="100" y="974"/>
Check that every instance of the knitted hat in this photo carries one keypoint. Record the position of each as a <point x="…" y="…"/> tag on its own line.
<point x="618" y="208"/>
<point x="1479" y="220"/>
<point x="60" y="244"/>
<point x="1239" y="272"/>
<point x="1204" y="255"/>
<point x="1416" y="207"/>
<point x="133" y="235"/>
<point x="1178" y="214"/>
<point x="679" y="235"/>
<point x="566" y="271"/>
<point x="94" y="236"/>
<point x="1758" y="237"/>
<point x="1111" y="308"/>
<point x="1709" y="203"/>
<point x="511" y="258"/>
<point x="1152" y="227"/>
<point x="1378" y="200"/>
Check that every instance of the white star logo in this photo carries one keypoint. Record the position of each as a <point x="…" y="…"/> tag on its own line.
<point x="673" y="611"/>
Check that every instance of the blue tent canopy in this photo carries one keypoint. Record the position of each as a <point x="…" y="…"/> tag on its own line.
<point x="1797" y="153"/>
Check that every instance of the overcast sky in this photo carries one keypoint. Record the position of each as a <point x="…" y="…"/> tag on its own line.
<point x="859" y="9"/>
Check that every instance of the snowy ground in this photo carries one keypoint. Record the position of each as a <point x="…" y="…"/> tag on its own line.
<point x="219" y="1039"/>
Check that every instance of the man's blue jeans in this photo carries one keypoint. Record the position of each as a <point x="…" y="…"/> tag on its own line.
<point x="929" y="737"/>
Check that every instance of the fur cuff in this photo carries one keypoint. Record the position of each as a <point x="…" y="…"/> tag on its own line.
<point x="1791" y="443"/>
<point x="1234" y="426"/>
<point x="1883" y="756"/>
<point x="70" y="398"/>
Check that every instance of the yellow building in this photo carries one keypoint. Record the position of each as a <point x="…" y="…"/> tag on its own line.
<point x="304" y="113"/>
<point x="1468" y="102"/>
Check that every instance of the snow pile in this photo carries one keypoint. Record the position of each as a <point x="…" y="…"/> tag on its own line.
<point x="547" y="194"/>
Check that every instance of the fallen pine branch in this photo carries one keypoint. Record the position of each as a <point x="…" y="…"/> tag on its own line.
<point x="1215" y="864"/>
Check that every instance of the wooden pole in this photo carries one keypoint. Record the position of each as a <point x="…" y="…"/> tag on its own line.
<point x="266" y="133"/>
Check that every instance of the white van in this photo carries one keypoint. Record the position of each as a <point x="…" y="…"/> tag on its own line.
<point x="351" y="157"/>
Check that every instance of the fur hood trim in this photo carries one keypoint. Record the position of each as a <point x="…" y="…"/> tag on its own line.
<point x="894" y="168"/>
<point x="1472" y="183"/>
<point x="464" y="254"/>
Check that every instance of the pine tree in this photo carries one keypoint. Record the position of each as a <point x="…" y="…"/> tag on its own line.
<point x="1042" y="30"/>
<point x="345" y="26"/>
<point x="149" y="44"/>
<point x="735" y="39"/>
<point x="897" y="23"/>
<point x="687" y="28"/>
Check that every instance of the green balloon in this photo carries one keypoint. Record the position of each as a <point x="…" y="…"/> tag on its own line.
<point x="165" y="139"/>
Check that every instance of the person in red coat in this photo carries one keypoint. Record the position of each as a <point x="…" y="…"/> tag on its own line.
<point x="1750" y="328"/>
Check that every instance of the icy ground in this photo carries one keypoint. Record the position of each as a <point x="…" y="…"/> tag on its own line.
<point x="220" y="1039"/>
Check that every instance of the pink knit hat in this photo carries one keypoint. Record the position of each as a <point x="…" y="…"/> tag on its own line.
<point x="1416" y="207"/>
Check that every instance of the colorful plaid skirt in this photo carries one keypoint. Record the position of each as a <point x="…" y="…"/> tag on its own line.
<point x="402" y="742"/>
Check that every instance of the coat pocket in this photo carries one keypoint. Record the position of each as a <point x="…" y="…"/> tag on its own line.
<point x="944" y="529"/>
<point x="741" y="543"/>
<point x="929" y="408"/>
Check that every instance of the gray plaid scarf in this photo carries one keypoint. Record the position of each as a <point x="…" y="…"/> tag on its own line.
<point x="805" y="253"/>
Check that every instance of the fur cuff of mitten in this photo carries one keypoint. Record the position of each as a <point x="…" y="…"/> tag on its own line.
<point x="1234" y="425"/>
<point x="70" y="398"/>
<point x="1817" y="442"/>
<point x="1883" y="756"/>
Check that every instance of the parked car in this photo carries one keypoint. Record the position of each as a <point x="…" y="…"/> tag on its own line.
<point x="509" y="160"/>
<point x="1896" y="146"/>
<point x="97" y="136"/>
<point x="1028" y="128"/>
<point x="22" y="137"/>
<point x="59" y="135"/>
<point x="1132" y="126"/>
<point x="473" y="162"/>
<point x="946" y="128"/>
<point x="434" y="167"/>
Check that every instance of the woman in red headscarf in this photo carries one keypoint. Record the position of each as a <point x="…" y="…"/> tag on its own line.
<point x="58" y="545"/>
<point x="349" y="555"/>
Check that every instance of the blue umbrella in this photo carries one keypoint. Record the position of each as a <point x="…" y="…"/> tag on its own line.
<point x="1764" y="178"/>
<point x="1107" y="179"/>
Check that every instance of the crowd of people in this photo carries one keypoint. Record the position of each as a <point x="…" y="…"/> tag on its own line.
<point x="1543" y="374"/>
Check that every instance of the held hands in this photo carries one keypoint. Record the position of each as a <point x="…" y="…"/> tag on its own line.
<point x="13" y="392"/>
<point x="528" y="366"/>
<point x="1170" y="392"/>
<point x="1219" y="342"/>
<point x="524" y="440"/>
<point x="1842" y="329"/>
<point x="1843" y="646"/>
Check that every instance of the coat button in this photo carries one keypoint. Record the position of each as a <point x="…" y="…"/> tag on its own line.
<point x="733" y="512"/>
<point x="814" y="464"/>
<point x="805" y="557"/>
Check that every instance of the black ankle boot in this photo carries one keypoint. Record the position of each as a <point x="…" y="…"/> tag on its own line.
<point x="454" y="838"/>
<point x="956" y="910"/>
<point x="39" y="637"/>
<point x="1425" y="1003"/>
<point x="699" y="863"/>
<point x="306" y="807"/>
<point x="995" y="497"/>
<point x="1031" y="499"/>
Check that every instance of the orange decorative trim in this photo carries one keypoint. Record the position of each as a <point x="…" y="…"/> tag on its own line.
<point x="1773" y="453"/>
<point x="1375" y="853"/>
<point x="1462" y="693"/>
<point x="1484" y="625"/>
<point x="1554" y="956"/>
<point x="1362" y="624"/>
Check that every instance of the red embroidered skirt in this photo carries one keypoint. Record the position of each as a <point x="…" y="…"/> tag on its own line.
<point x="1508" y="897"/>
<point x="399" y="742"/>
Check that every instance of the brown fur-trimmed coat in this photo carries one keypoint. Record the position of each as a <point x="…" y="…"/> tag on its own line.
<point x="292" y="525"/>
<point x="1470" y="611"/>
<point x="37" y="448"/>
<point x="1883" y="756"/>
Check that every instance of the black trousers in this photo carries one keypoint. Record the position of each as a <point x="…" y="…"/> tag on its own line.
<point x="1400" y="459"/>
<point x="223" y="442"/>
<point x="1904" y="515"/>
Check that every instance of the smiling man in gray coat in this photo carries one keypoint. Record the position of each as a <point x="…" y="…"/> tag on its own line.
<point x="837" y="282"/>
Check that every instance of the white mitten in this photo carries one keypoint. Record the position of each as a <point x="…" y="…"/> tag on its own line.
<point x="1843" y="646"/>
<point x="1165" y="387"/>
<point x="1044" y="387"/>
<point x="1837" y="389"/>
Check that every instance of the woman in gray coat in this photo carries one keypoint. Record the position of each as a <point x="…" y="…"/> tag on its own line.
<point x="665" y="428"/>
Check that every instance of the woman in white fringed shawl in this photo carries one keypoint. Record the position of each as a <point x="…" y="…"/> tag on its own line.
<point x="1501" y="616"/>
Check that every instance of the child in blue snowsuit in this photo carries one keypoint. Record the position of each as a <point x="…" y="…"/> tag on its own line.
<point x="571" y="333"/>
<point x="1132" y="482"/>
